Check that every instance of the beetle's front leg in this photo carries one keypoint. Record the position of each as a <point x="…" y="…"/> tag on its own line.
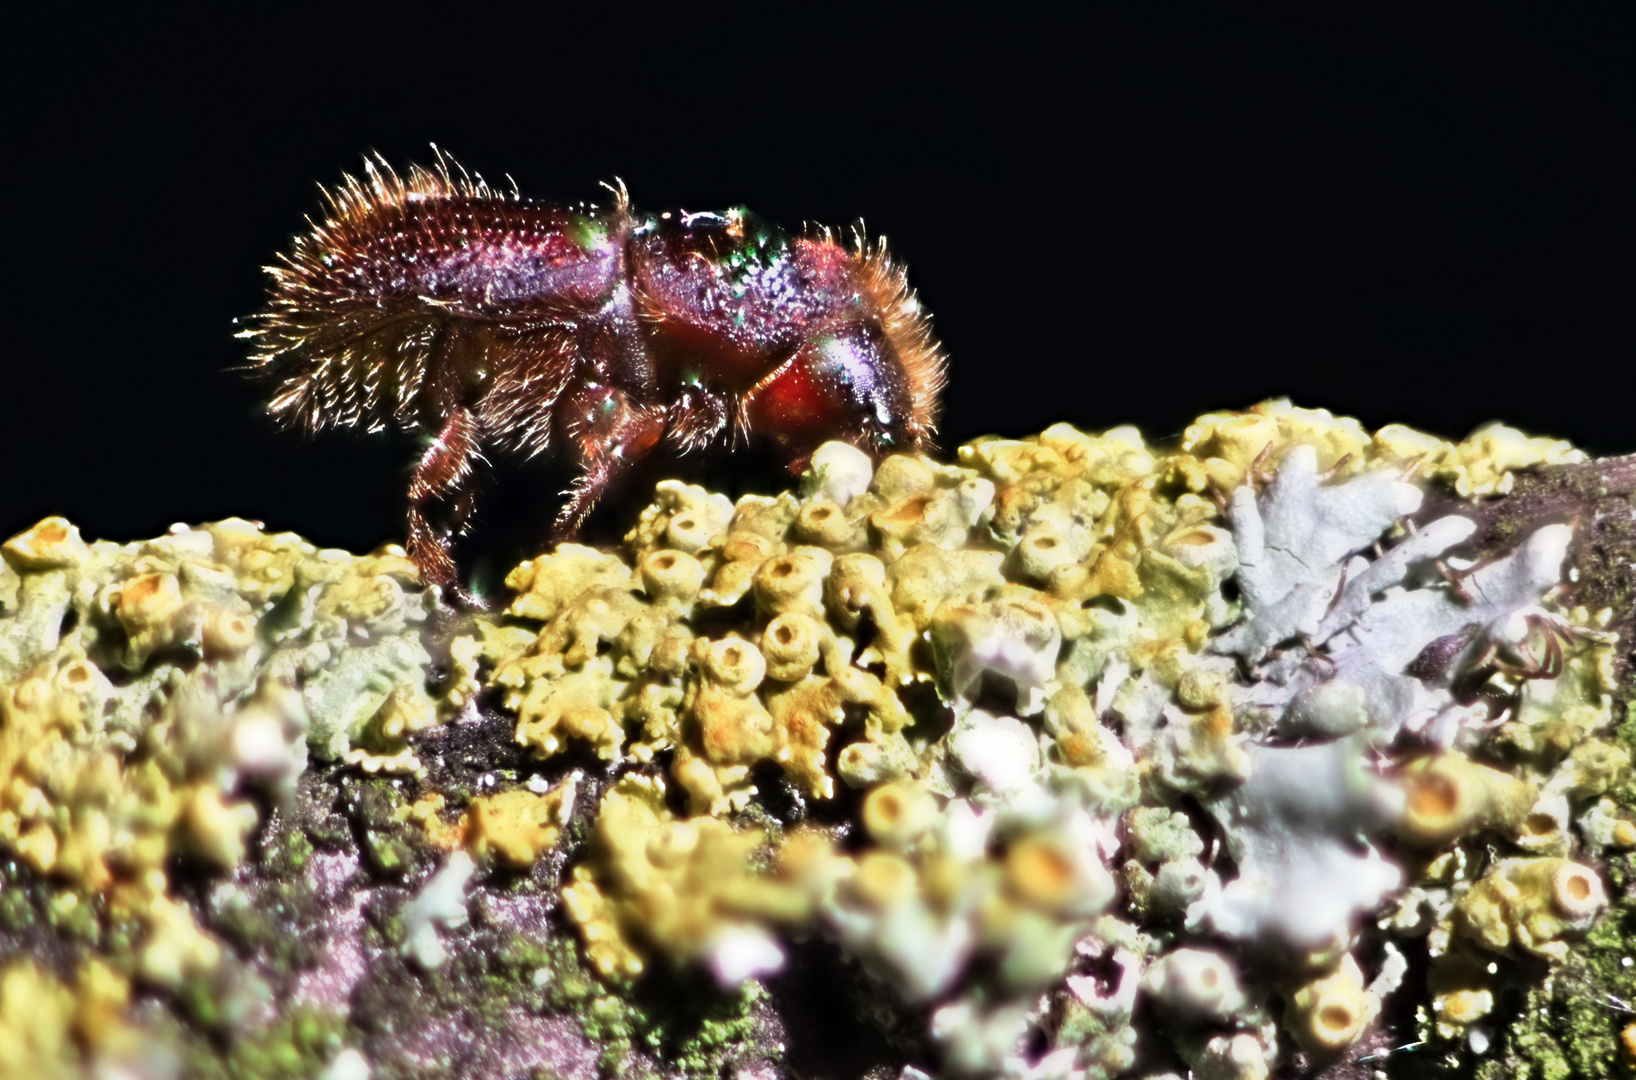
<point x="609" y="433"/>
<point x="447" y="474"/>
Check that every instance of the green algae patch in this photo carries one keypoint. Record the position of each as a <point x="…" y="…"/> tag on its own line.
<point x="295" y="1046"/>
<point x="697" y="1031"/>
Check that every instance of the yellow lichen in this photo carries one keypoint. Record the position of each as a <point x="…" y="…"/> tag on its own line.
<point x="1081" y="572"/>
<point x="577" y="705"/>
<point x="1026" y="545"/>
<point x="218" y="828"/>
<point x="1230" y="445"/>
<point x="175" y="947"/>
<point x="382" y="740"/>
<point x="658" y="882"/>
<point x="924" y="903"/>
<point x="1225" y="447"/>
<point x="1555" y="716"/>
<point x="1532" y="904"/>
<point x="545" y="584"/>
<point x="1328" y="1014"/>
<point x="426" y="812"/>
<point x="52" y="544"/>
<point x="898" y="813"/>
<point x="1448" y="796"/>
<point x="1459" y="1009"/>
<point x="1487" y="461"/>
<point x="36" y="1024"/>
<point x="518" y="826"/>
<point x="685" y="517"/>
<point x="153" y="695"/>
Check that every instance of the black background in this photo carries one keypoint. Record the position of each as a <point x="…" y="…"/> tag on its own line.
<point x="1129" y="213"/>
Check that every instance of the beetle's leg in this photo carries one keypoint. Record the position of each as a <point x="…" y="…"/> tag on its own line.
<point x="609" y="433"/>
<point x="698" y="419"/>
<point x="447" y="474"/>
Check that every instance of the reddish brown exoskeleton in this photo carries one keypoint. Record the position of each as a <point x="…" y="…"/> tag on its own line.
<point x="436" y="303"/>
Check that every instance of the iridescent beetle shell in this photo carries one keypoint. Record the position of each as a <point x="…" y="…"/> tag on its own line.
<point x="436" y="303"/>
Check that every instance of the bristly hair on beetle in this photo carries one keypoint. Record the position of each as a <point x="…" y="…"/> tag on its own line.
<point x="436" y="303"/>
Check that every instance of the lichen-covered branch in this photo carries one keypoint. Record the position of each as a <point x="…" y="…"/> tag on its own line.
<point x="1288" y="749"/>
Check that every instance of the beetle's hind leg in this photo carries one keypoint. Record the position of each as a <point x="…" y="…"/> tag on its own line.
<point x="610" y="433"/>
<point x="446" y="477"/>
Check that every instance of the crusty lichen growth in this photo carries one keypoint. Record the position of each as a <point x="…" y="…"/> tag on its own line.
<point x="1073" y="580"/>
<point x="1178" y="758"/>
<point x="48" y="1029"/>
<point x="517" y="826"/>
<point x="691" y="890"/>
<point x="146" y="688"/>
<point x="154" y="695"/>
<point x="1226" y="447"/>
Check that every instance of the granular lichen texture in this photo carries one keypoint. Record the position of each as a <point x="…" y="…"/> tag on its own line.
<point x="1287" y="749"/>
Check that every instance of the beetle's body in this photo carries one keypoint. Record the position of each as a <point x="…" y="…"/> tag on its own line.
<point x="437" y="304"/>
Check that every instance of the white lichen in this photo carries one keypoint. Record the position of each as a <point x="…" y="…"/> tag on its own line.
<point x="440" y="903"/>
<point x="1294" y="828"/>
